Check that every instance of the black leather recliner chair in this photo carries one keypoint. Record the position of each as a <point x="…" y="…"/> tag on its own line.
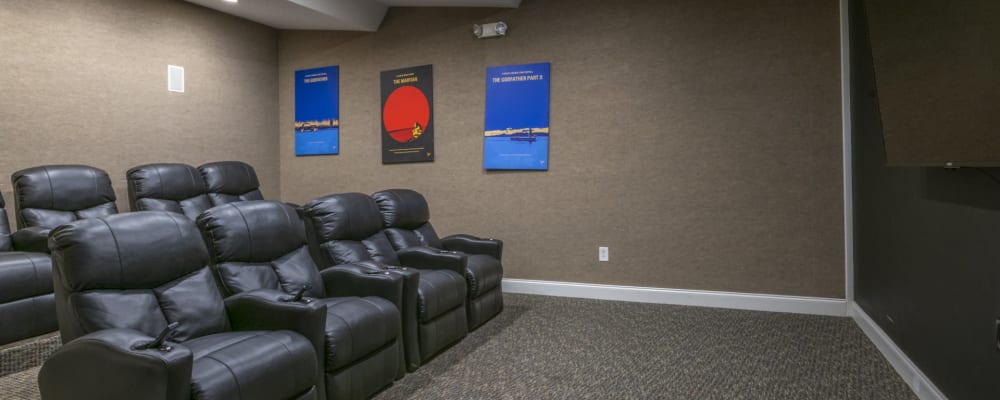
<point x="347" y="228"/>
<point x="407" y="220"/>
<point x="48" y="196"/>
<point x="27" y="306"/>
<point x="142" y="318"/>
<point x="231" y="181"/>
<point x="262" y="244"/>
<point x="178" y="188"/>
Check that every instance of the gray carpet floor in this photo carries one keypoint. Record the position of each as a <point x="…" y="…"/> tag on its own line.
<point x="561" y="348"/>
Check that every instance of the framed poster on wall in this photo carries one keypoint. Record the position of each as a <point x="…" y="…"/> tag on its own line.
<point x="517" y="117"/>
<point x="317" y="111"/>
<point x="408" y="115"/>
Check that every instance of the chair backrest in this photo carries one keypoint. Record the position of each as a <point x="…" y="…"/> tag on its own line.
<point x="406" y="217"/>
<point x="52" y="195"/>
<point x="345" y="228"/>
<point x="178" y="188"/>
<point x="231" y="181"/>
<point x="259" y="244"/>
<point x="141" y="270"/>
<point x="5" y="244"/>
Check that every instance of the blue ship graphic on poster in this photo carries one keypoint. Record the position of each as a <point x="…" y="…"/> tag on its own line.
<point x="517" y="117"/>
<point x="317" y="111"/>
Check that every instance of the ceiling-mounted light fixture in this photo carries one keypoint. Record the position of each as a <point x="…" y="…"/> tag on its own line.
<point x="496" y="29"/>
<point x="231" y="1"/>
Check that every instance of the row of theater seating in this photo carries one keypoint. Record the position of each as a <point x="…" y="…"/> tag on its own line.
<point x="48" y="196"/>
<point x="334" y="299"/>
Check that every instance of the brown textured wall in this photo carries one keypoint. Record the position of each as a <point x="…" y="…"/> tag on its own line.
<point x="85" y="82"/>
<point x="700" y="140"/>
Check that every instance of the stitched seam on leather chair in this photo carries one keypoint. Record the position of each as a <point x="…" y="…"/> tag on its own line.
<point x="287" y="351"/>
<point x="424" y="303"/>
<point x="288" y="219"/>
<point x="239" y="390"/>
<point x="159" y="178"/>
<point x="473" y="283"/>
<point x="34" y="270"/>
<point x="380" y="309"/>
<point x="52" y="192"/>
<point x="247" y="225"/>
<point x="246" y="170"/>
<point x="350" y="330"/>
<point x="93" y="179"/>
<point x="191" y="174"/>
<point x="369" y="356"/>
<point x="118" y="251"/>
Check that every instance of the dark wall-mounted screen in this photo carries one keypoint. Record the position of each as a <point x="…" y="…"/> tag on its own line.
<point x="937" y="71"/>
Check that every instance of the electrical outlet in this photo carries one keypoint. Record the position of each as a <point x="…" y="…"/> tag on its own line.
<point x="602" y="253"/>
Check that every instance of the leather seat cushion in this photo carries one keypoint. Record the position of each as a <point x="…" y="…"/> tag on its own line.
<point x="438" y="292"/>
<point x="483" y="273"/>
<point x="251" y="365"/>
<point x="356" y="327"/>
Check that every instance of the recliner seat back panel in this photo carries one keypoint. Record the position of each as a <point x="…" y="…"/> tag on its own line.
<point x="374" y="248"/>
<point x="348" y="229"/>
<point x="53" y="195"/>
<point x="178" y="188"/>
<point x="167" y="281"/>
<point x="406" y="216"/>
<point x="260" y="244"/>
<point x="231" y="181"/>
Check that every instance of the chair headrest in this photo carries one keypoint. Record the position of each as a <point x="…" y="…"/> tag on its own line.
<point x="62" y="187"/>
<point x="138" y="250"/>
<point x="166" y="181"/>
<point x="229" y="177"/>
<point x="252" y="231"/>
<point x="402" y="208"/>
<point x="346" y="216"/>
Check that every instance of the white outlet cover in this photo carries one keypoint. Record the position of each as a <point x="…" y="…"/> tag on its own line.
<point x="175" y="78"/>
<point x="602" y="254"/>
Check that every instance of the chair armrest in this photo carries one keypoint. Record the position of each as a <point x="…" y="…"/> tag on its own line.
<point x="473" y="245"/>
<point x="363" y="279"/>
<point x="270" y="310"/>
<point x="109" y="365"/>
<point x="34" y="239"/>
<point x="430" y="258"/>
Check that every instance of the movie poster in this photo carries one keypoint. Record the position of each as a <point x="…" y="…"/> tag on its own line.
<point x="317" y="111"/>
<point x="517" y="117"/>
<point x="407" y="115"/>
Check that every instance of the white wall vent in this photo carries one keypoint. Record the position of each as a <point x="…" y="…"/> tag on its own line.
<point x="175" y="78"/>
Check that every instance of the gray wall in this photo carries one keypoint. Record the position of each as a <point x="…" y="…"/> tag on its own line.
<point x="85" y="82"/>
<point x="700" y="140"/>
<point x="927" y="260"/>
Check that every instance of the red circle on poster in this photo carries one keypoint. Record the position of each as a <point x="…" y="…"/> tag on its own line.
<point x="406" y="113"/>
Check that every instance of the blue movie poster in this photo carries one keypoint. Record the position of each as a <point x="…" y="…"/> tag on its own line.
<point x="317" y="111"/>
<point x="517" y="117"/>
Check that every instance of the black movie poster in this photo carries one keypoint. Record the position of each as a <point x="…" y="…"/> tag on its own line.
<point x="408" y="115"/>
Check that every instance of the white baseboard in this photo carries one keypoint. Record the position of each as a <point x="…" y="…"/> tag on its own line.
<point x="702" y="298"/>
<point x="918" y="382"/>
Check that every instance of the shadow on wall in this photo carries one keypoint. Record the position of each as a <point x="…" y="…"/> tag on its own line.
<point x="963" y="186"/>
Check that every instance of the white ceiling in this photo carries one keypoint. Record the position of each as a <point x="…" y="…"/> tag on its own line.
<point x="339" y="15"/>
